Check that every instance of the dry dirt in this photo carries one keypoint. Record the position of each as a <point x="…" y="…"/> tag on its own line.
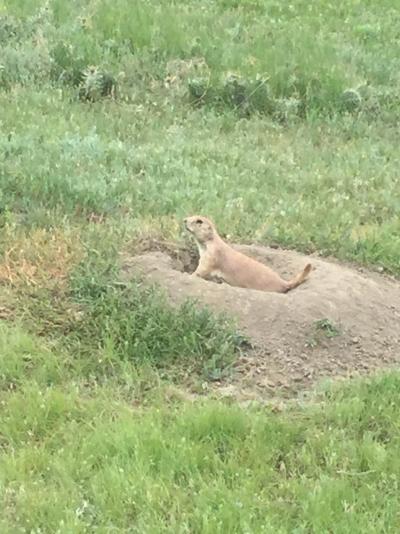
<point x="341" y="323"/>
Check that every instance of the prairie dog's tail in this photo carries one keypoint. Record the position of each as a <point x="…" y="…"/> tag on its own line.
<point x="300" y="278"/>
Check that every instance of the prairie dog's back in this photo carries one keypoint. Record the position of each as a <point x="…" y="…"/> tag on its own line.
<point x="243" y="271"/>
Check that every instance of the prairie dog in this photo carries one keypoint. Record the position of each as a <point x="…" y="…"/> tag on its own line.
<point x="217" y="258"/>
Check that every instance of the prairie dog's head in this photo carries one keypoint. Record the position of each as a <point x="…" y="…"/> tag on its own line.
<point x="201" y="228"/>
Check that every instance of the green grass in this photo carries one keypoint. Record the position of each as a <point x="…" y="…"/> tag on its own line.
<point x="278" y="120"/>
<point x="81" y="459"/>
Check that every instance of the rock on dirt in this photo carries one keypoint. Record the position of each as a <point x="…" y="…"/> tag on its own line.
<point x="340" y="323"/>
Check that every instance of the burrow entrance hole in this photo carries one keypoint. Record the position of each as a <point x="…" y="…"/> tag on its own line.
<point x="185" y="257"/>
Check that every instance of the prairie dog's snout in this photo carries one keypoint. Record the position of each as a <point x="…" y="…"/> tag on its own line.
<point x="202" y="228"/>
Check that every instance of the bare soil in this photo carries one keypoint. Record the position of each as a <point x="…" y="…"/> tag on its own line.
<point x="341" y="323"/>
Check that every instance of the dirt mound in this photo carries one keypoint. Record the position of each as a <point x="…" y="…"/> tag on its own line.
<point x="340" y="323"/>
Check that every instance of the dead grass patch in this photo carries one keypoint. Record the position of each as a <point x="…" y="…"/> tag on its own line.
<point x="42" y="258"/>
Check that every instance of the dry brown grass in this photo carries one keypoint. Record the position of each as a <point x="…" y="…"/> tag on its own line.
<point x="41" y="258"/>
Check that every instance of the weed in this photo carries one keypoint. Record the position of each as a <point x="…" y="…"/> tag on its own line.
<point x="323" y="328"/>
<point x="327" y="327"/>
<point x="96" y="84"/>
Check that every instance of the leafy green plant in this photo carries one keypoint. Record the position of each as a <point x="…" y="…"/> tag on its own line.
<point x="327" y="327"/>
<point x="96" y="84"/>
<point x="10" y="28"/>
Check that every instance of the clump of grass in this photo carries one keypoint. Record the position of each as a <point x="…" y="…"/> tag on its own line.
<point x="10" y="28"/>
<point x="96" y="84"/>
<point x="323" y="329"/>
<point x="327" y="327"/>
<point x="351" y="100"/>
<point x="235" y="92"/>
<point x="135" y="323"/>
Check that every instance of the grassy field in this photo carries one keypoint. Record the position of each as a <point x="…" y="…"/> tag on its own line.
<point x="278" y="120"/>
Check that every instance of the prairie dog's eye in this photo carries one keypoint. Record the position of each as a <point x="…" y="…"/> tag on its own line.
<point x="199" y="221"/>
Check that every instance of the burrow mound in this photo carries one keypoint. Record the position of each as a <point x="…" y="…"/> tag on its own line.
<point x="340" y="323"/>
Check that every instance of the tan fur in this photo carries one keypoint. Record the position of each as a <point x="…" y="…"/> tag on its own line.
<point x="218" y="259"/>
